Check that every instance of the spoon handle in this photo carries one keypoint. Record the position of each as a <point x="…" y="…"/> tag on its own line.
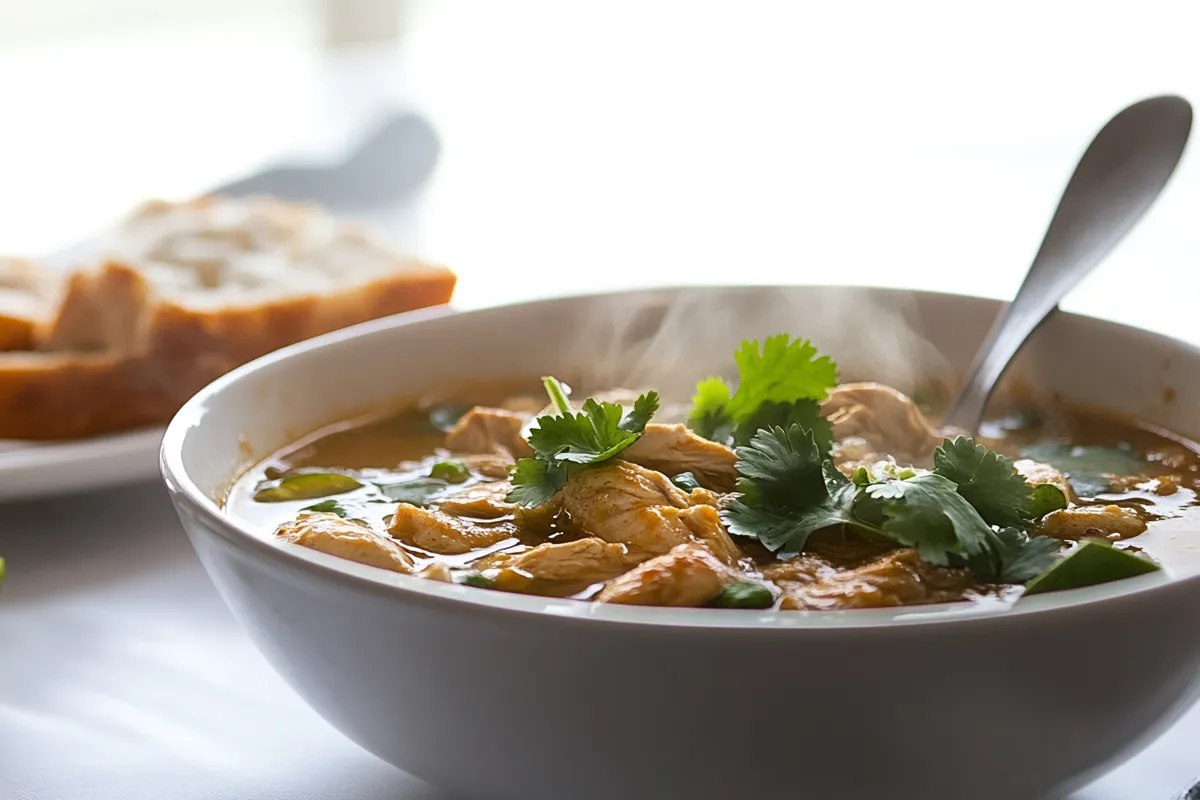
<point x="1119" y="176"/>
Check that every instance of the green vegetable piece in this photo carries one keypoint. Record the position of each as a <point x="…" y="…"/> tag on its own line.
<point x="445" y="417"/>
<point x="686" y="481"/>
<point x="1088" y="468"/>
<point x="329" y="507"/>
<point x="450" y="471"/>
<point x="414" y="492"/>
<point x="1092" y="562"/>
<point x="307" y="486"/>
<point x="1" y="571"/>
<point x="744" y="594"/>
<point x="1046" y="498"/>
<point x="478" y="580"/>
<point x="783" y="373"/>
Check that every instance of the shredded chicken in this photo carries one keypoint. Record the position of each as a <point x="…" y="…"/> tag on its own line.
<point x="1101" y="522"/>
<point x="445" y="534"/>
<point x="884" y="418"/>
<point x="488" y="430"/>
<point x="628" y="504"/>
<point x="437" y="571"/>
<point x="1037" y="473"/>
<point x="588" y="560"/>
<point x="899" y="578"/>
<point x="672" y="449"/>
<point x="480" y="501"/>
<point x="688" y="575"/>
<point x="329" y="533"/>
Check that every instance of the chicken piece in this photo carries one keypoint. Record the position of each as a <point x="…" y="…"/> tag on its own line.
<point x="442" y="533"/>
<point x="480" y="501"/>
<point x="589" y="560"/>
<point x="487" y="430"/>
<point x="437" y="571"/>
<point x="353" y="541"/>
<point x="1036" y="473"/>
<point x="628" y="504"/>
<point x="1101" y="522"/>
<point x="489" y="465"/>
<point x="887" y="420"/>
<point x="900" y="578"/>
<point x="689" y="576"/>
<point x="672" y="449"/>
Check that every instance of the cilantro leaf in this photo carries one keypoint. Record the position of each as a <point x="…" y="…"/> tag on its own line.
<point x="785" y="370"/>
<point x="709" y="417"/>
<point x="535" y="481"/>
<point x="571" y="440"/>
<point x="987" y="480"/>
<point x="1011" y="556"/>
<point x="644" y="407"/>
<point x="789" y="490"/>
<point x="787" y="493"/>
<point x="805" y="413"/>
<point x="596" y="434"/>
<point x="925" y="512"/>
<point x="773" y="383"/>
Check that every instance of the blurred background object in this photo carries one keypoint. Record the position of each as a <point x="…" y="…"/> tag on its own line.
<point x="592" y="145"/>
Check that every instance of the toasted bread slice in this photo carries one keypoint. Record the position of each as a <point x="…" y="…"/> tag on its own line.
<point x="25" y="302"/>
<point x="184" y="293"/>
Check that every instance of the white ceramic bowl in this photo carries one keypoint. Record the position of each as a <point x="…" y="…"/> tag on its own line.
<point x="495" y="695"/>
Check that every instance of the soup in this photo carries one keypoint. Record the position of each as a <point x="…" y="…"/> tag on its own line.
<point x="785" y="490"/>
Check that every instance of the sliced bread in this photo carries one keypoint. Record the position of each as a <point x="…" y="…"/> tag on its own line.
<point x="181" y="294"/>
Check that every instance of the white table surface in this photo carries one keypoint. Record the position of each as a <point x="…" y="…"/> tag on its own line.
<point x="639" y="146"/>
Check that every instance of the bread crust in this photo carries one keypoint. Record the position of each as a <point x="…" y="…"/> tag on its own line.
<point x="65" y="395"/>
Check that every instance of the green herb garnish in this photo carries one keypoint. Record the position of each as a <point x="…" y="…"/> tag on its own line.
<point x="1012" y="556"/>
<point x="306" y="486"/>
<point x="744" y="594"/>
<point x="571" y="440"/>
<point x="451" y="471"/>
<point x="990" y="483"/>
<point x="790" y="489"/>
<point x="1087" y="468"/>
<point x="778" y="386"/>
<point x="1092" y="562"/>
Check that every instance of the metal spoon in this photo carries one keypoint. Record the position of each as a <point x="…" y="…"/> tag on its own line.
<point x="1191" y="793"/>
<point x="1118" y="178"/>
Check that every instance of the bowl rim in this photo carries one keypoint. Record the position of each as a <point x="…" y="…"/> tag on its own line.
<point x="244" y="537"/>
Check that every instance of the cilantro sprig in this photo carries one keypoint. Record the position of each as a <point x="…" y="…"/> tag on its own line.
<point x="566" y="441"/>
<point x="779" y="385"/>
<point x="790" y="489"/>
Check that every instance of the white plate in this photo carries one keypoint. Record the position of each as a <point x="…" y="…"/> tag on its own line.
<point x="36" y="469"/>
